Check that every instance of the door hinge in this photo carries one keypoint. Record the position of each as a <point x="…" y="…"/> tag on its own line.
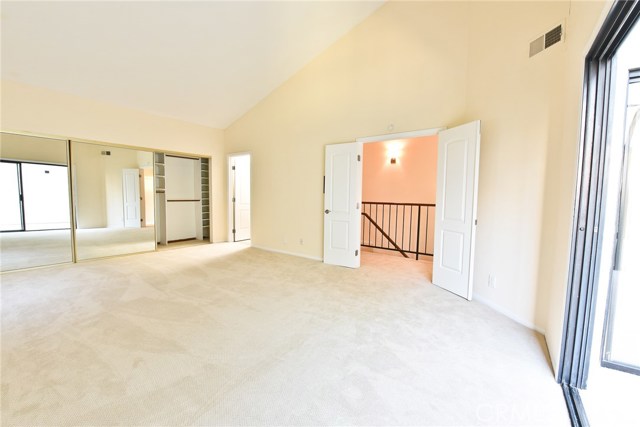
<point x="233" y="168"/>
<point x="233" y="199"/>
<point x="233" y="231"/>
<point x="358" y="157"/>
<point x="356" y="252"/>
<point x="357" y="205"/>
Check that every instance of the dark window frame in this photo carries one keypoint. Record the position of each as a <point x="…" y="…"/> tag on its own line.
<point x="586" y="242"/>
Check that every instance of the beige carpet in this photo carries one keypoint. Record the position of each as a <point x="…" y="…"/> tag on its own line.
<point x="25" y="249"/>
<point x="229" y="335"/>
<point x="28" y="249"/>
<point x="103" y="242"/>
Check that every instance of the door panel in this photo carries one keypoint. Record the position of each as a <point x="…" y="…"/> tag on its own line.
<point x="242" y="191"/>
<point x="131" y="194"/>
<point x="10" y="212"/>
<point x="456" y="200"/>
<point x="343" y="190"/>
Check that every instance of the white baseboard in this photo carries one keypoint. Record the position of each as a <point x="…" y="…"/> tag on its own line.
<point x="286" y="252"/>
<point x="507" y="313"/>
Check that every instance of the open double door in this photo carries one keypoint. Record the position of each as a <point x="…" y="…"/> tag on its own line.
<point x="456" y="206"/>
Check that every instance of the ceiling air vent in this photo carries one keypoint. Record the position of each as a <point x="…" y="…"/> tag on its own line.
<point x="545" y="41"/>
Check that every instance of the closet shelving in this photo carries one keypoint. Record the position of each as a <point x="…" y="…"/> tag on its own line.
<point x="204" y="182"/>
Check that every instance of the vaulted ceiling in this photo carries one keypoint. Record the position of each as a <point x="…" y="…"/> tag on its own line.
<point x="205" y="62"/>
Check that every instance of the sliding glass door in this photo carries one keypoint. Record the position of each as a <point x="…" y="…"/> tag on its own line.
<point x="622" y="330"/>
<point x="45" y="190"/>
<point x="34" y="197"/>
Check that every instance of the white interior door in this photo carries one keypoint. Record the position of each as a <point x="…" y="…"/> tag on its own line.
<point x="343" y="190"/>
<point x="241" y="197"/>
<point x="131" y="195"/>
<point x="456" y="201"/>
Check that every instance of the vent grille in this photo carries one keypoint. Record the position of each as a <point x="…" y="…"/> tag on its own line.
<point x="553" y="37"/>
<point x="536" y="46"/>
<point x="545" y="41"/>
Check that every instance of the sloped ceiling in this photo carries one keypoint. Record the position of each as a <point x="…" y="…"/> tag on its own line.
<point x="204" y="62"/>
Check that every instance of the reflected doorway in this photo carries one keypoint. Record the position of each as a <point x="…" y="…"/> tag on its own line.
<point x="239" y="197"/>
<point x="108" y="201"/>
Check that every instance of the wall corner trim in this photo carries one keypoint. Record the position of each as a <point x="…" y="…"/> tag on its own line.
<point x="278" y="251"/>
<point x="509" y="314"/>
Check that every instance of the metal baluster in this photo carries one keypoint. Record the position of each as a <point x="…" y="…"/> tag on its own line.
<point x="410" y="226"/>
<point x="396" y="235"/>
<point x="418" y="234"/>
<point x="426" y="234"/>
<point x="404" y="214"/>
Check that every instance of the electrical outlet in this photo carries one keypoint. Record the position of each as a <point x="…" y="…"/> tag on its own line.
<point x="492" y="281"/>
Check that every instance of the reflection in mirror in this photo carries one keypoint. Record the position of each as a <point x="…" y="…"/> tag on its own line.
<point x="113" y="198"/>
<point x="34" y="202"/>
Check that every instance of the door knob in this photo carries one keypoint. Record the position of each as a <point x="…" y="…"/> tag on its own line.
<point x="327" y="211"/>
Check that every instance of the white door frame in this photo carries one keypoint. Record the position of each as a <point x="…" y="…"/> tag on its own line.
<point x="230" y="193"/>
<point x="408" y="135"/>
<point x="417" y="134"/>
<point x="359" y="177"/>
<point x="401" y="135"/>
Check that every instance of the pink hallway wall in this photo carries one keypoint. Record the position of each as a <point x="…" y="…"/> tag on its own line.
<point x="411" y="180"/>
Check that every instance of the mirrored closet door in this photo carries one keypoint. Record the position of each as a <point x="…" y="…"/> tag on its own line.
<point x="113" y="199"/>
<point x="35" y="217"/>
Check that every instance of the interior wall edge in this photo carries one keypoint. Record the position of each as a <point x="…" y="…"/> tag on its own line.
<point x="279" y="251"/>
<point x="500" y="309"/>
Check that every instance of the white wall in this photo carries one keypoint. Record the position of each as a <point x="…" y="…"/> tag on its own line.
<point x="41" y="111"/>
<point x="403" y="65"/>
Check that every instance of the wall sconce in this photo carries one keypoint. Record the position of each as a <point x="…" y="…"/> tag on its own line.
<point x="394" y="151"/>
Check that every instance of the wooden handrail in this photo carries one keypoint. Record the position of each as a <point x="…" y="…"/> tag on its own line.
<point x="430" y="205"/>
<point x="375" y="224"/>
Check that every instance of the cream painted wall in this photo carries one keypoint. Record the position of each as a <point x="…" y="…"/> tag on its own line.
<point x="90" y="197"/>
<point x="392" y="68"/>
<point x="30" y="148"/>
<point x="560" y="178"/>
<point x="42" y="111"/>
<point x="411" y="180"/>
<point x="471" y="62"/>
<point x="528" y="157"/>
<point x="518" y="99"/>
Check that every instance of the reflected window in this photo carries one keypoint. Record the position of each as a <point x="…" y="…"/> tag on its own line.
<point x="34" y="211"/>
<point x="45" y="190"/>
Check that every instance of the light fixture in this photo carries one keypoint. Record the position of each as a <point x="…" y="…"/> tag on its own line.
<point x="394" y="151"/>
